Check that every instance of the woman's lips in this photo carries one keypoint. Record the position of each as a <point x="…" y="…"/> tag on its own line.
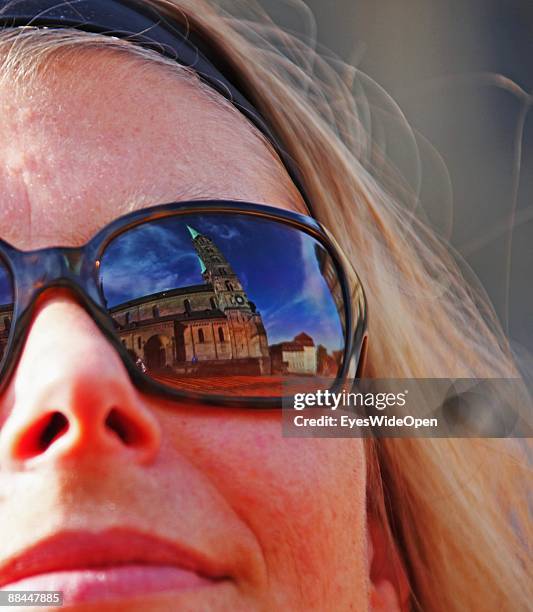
<point x="112" y="564"/>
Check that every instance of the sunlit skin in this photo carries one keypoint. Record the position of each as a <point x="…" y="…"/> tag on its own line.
<point x="283" y="520"/>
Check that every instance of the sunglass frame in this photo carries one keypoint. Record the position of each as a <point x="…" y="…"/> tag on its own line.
<point x="76" y="269"/>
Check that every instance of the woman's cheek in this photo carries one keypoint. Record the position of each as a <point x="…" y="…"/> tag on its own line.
<point x="297" y="495"/>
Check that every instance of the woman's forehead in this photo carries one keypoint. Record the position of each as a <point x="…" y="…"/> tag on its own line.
<point x="93" y="140"/>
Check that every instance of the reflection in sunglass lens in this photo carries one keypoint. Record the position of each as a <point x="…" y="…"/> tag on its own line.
<point x="224" y="304"/>
<point x="6" y="307"/>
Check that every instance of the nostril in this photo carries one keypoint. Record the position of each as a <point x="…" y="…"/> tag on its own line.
<point x="55" y="428"/>
<point x="41" y="435"/>
<point x="124" y="428"/>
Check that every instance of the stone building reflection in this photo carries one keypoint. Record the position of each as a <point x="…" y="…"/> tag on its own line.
<point x="214" y="328"/>
<point x="298" y="356"/>
<point x="208" y="328"/>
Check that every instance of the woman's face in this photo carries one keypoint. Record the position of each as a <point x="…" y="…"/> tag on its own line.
<point x="204" y="509"/>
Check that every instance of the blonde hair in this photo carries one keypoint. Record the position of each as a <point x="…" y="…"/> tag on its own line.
<point x="456" y="509"/>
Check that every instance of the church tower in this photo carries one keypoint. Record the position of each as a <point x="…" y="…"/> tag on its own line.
<point x="217" y="271"/>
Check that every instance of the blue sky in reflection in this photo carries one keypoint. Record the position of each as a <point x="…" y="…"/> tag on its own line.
<point x="276" y="265"/>
<point x="6" y="290"/>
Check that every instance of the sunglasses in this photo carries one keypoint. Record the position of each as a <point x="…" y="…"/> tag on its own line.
<point x="216" y="302"/>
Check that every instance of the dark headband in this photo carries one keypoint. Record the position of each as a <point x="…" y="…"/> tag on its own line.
<point x="143" y="25"/>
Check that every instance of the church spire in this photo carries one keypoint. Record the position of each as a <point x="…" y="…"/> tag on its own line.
<point x="194" y="234"/>
<point x="217" y="271"/>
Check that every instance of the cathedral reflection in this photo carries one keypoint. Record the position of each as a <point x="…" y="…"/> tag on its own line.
<point x="213" y="328"/>
<point x="209" y="328"/>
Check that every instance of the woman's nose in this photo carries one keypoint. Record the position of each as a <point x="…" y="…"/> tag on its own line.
<point x="71" y="395"/>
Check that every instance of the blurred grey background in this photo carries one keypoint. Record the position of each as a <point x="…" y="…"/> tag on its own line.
<point x="461" y="71"/>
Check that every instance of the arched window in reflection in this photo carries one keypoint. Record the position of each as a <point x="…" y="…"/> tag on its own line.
<point x="221" y="334"/>
<point x="229" y="286"/>
<point x="201" y="338"/>
<point x="213" y="303"/>
<point x="187" y="306"/>
<point x="155" y="312"/>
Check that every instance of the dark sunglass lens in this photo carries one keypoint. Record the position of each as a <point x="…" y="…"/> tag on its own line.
<point x="6" y="307"/>
<point x="225" y="304"/>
